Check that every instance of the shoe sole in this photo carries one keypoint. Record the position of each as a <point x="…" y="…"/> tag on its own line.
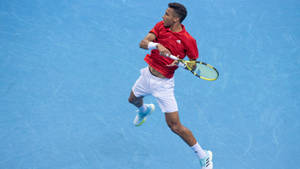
<point x="145" y="118"/>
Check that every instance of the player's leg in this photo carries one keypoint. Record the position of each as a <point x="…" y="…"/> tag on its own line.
<point x="136" y="101"/>
<point x="144" y="110"/>
<point x="174" y="124"/>
<point x="139" y="90"/>
<point x="167" y="102"/>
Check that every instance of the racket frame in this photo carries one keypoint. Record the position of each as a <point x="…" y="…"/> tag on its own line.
<point x="188" y="68"/>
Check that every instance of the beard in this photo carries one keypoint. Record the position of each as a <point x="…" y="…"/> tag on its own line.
<point x="166" y="25"/>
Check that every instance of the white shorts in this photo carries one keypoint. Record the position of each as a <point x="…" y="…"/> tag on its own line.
<point x="161" y="89"/>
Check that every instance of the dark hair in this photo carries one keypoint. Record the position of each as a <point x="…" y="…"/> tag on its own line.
<point x="179" y="9"/>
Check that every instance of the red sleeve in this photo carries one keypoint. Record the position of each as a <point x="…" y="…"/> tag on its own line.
<point x="155" y="29"/>
<point x="192" y="50"/>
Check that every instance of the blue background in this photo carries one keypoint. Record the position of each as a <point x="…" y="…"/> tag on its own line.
<point x="67" y="68"/>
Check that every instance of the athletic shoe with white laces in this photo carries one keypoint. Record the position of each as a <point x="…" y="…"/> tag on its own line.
<point x="206" y="163"/>
<point x="141" y="117"/>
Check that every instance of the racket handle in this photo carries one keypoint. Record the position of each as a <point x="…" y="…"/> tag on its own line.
<point x="172" y="57"/>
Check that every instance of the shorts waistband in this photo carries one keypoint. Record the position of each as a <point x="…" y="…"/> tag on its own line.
<point x="147" y="71"/>
<point x="152" y="73"/>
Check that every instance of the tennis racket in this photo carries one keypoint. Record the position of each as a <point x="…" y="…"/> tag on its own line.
<point x="199" y="69"/>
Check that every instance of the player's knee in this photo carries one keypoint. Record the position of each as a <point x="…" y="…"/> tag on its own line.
<point x="131" y="100"/>
<point x="175" y="127"/>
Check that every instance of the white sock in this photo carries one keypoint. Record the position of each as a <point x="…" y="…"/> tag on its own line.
<point x="143" y="108"/>
<point x="199" y="151"/>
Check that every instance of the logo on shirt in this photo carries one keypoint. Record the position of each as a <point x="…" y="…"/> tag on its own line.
<point x="178" y="41"/>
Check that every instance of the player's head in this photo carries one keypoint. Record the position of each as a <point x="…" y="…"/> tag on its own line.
<point x="175" y="13"/>
<point x="179" y="9"/>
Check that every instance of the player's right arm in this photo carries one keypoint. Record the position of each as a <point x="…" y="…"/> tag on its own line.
<point x="147" y="43"/>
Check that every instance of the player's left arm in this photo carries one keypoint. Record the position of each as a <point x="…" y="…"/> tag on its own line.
<point x="149" y="38"/>
<point x="146" y="44"/>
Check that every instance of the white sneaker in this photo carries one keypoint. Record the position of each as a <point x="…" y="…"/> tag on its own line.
<point x="141" y="117"/>
<point x="206" y="163"/>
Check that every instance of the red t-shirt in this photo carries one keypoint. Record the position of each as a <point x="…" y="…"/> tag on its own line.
<point x="178" y="43"/>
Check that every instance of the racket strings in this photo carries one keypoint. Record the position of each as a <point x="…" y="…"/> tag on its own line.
<point x="205" y="71"/>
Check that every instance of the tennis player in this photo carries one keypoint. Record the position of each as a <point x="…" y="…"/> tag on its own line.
<point x="168" y="36"/>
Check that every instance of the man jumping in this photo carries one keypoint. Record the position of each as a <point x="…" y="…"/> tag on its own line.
<point x="168" y="36"/>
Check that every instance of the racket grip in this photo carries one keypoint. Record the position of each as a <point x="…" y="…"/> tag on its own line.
<point x="172" y="57"/>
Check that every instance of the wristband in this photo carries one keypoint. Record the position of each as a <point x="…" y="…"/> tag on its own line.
<point x="152" y="45"/>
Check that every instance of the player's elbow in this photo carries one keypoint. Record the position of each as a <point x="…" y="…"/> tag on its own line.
<point x="143" y="44"/>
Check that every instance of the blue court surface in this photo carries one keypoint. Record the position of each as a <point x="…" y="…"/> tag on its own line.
<point x="67" y="68"/>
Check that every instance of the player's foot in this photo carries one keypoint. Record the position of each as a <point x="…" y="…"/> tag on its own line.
<point x="141" y="117"/>
<point x="206" y="162"/>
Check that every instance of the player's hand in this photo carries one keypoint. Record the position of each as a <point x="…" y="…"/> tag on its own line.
<point x="162" y="50"/>
<point x="174" y="63"/>
<point x="192" y="65"/>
